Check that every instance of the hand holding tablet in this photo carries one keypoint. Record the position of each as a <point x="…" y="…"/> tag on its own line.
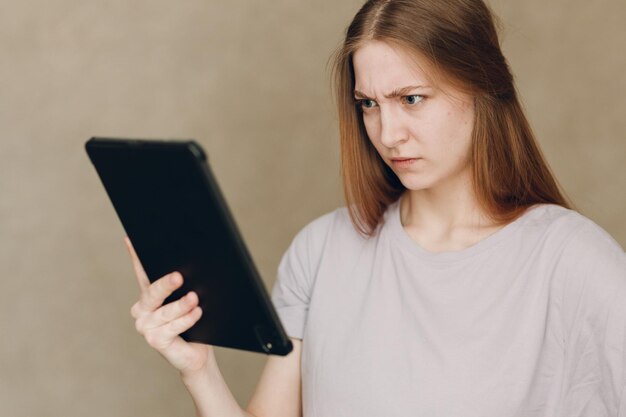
<point x="161" y="325"/>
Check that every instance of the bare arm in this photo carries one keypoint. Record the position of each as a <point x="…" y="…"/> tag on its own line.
<point x="278" y="393"/>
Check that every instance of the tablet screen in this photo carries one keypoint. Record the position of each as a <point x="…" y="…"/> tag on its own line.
<point x="171" y="208"/>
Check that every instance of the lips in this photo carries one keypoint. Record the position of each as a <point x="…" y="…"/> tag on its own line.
<point x="400" y="163"/>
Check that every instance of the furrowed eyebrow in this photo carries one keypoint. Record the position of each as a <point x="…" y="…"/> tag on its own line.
<point x="404" y="91"/>
<point x="398" y="92"/>
<point x="359" y="95"/>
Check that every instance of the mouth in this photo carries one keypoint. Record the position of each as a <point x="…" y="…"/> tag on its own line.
<point x="403" y="162"/>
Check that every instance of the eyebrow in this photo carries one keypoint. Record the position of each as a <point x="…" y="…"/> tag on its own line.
<point x="398" y="92"/>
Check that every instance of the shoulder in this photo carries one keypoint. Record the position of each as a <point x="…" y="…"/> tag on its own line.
<point x="584" y="240"/>
<point x="300" y="263"/>
<point x="575" y="232"/>
<point x="319" y="230"/>
<point x="594" y="256"/>
<point x="589" y="263"/>
<point x="311" y="240"/>
<point x="581" y="253"/>
<point x="328" y="237"/>
<point x="591" y="272"/>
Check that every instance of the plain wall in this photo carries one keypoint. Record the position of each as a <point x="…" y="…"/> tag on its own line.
<point x="249" y="81"/>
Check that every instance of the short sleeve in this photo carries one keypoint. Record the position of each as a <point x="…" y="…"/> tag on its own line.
<point x="295" y="281"/>
<point x="612" y="360"/>
<point x="594" y="307"/>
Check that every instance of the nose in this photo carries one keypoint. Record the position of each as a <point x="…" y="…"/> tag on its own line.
<point x="391" y="128"/>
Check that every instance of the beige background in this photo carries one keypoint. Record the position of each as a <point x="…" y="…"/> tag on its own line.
<point x="248" y="80"/>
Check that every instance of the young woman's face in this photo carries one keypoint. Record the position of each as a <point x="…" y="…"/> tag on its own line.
<point x="422" y="131"/>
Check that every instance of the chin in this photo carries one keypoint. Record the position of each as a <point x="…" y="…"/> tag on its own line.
<point x="415" y="182"/>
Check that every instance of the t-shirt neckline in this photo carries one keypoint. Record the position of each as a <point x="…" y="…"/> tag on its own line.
<point x="404" y="239"/>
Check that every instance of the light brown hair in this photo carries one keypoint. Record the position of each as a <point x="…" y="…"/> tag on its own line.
<point x="459" y="39"/>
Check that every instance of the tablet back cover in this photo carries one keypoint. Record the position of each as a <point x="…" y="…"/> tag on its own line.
<point x="173" y="212"/>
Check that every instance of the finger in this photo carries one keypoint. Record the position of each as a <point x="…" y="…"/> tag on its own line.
<point x="157" y="292"/>
<point x="163" y="336"/>
<point x="182" y="324"/>
<point x="169" y="312"/>
<point x="140" y="273"/>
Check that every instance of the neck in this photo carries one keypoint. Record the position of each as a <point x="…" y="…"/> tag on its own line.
<point x="444" y="208"/>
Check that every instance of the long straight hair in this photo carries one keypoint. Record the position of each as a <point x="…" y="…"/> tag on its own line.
<point x="459" y="39"/>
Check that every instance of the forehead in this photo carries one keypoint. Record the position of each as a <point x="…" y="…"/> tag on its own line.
<point x="380" y="67"/>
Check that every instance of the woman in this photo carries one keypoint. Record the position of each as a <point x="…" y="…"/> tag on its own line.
<point x="457" y="282"/>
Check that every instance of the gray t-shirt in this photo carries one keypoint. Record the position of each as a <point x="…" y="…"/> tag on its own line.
<point x="529" y="322"/>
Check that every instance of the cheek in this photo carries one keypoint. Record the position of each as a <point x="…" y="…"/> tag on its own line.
<point x="372" y="128"/>
<point x="459" y="128"/>
<point x="466" y="128"/>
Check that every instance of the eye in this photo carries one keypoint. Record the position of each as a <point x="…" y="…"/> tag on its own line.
<point x="412" y="99"/>
<point x="367" y="103"/>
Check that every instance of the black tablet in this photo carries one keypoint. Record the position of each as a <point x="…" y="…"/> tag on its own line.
<point x="174" y="214"/>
